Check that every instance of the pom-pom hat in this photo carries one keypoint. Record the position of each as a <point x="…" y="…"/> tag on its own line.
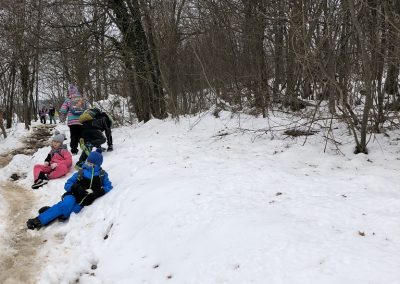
<point x="73" y="90"/>
<point x="96" y="157"/>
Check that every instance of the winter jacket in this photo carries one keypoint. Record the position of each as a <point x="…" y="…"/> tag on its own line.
<point x="60" y="156"/>
<point x="43" y="112"/>
<point x="88" y="184"/>
<point x="92" y="132"/>
<point x="52" y="111"/>
<point x="73" y="119"/>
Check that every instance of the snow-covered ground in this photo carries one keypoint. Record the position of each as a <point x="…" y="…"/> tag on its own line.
<point x="13" y="138"/>
<point x="202" y="201"/>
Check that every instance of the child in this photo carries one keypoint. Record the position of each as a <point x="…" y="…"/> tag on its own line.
<point x="52" y="113"/>
<point x="73" y="107"/>
<point x="57" y="163"/>
<point x="94" y="123"/>
<point x="42" y="113"/>
<point x="90" y="183"/>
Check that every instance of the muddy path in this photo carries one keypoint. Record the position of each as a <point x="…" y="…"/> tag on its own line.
<point x="18" y="261"/>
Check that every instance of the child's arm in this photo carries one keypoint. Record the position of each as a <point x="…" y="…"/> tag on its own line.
<point x="107" y="186"/>
<point x="64" y="107"/>
<point x="48" y="158"/>
<point x="70" y="182"/>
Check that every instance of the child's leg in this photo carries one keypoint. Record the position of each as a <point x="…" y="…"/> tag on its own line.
<point x="59" y="171"/>
<point x="37" y="169"/>
<point x="63" y="208"/>
<point x="75" y="136"/>
<point x="85" y="146"/>
<point x="86" y="149"/>
<point x="82" y="159"/>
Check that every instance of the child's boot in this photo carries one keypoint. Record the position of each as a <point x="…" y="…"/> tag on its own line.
<point x="78" y="165"/>
<point x="41" y="180"/>
<point x="34" y="224"/>
<point x="43" y="209"/>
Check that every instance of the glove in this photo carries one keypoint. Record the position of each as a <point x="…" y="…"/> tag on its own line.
<point x="78" y="191"/>
<point x="88" y="199"/>
<point x="110" y="148"/>
<point x="53" y="165"/>
<point x="99" y="193"/>
<point x="46" y="164"/>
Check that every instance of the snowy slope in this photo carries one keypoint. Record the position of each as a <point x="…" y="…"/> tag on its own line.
<point x="200" y="201"/>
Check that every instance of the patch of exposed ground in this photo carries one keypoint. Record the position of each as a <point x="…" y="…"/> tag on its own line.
<point x="18" y="261"/>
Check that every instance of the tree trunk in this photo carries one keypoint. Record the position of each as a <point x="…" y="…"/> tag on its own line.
<point x="137" y="49"/>
<point x="279" y="29"/>
<point x="292" y="66"/>
<point x="367" y="76"/>
<point x="24" y="71"/>
<point x="10" y="105"/>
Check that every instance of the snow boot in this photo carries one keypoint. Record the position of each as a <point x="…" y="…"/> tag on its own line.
<point x="34" y="224"/>
<point x="78" y="165"/>
<point x="42" y="180"/>
<point x="43" y="209"/>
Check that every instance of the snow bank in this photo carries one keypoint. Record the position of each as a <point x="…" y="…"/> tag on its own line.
<point x="221" y="203"/>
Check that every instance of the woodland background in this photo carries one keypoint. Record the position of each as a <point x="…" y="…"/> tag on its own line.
<point x="177" y="57"/>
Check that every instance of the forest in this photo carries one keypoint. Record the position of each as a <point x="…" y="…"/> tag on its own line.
<point x="339" y="58"/>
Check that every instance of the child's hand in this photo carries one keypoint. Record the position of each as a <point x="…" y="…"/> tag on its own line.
<point x="78" y="191"/>
<point x="53" y="165"/>
<point x="46" y="164"/>
<point x="88" y="200"/>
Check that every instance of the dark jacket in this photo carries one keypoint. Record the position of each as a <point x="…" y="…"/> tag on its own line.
<point x="89" y="186"/>
<point x="92" y="132"/>
<point x="43" y="111"/>
<point x="52" y="111"/>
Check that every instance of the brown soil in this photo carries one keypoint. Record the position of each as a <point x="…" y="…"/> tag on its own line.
<point x="18" y="262"/>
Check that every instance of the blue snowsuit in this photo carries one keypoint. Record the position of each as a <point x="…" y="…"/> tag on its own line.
<point x="73" y="203"/>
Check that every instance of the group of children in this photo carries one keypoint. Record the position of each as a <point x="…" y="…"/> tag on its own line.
<point x="90" y="181"/>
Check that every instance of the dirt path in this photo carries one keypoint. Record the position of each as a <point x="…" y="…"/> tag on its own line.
<point x="18" y="263"/>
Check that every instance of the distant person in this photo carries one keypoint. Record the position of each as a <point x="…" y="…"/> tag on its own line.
<point x="94" y="123"/>
<point x="57" y="163"/>
<point x="73" y="107"/>
<point x="82" y="189"/>
<point x="52" y="113"/>
<point x="42" y="114"/>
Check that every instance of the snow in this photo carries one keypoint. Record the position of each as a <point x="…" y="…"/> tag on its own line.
<point x="210" y="200"/>
<point x="13" y="135"/>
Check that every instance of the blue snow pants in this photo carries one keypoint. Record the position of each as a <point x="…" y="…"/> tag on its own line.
<point x="64" y="208"/>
